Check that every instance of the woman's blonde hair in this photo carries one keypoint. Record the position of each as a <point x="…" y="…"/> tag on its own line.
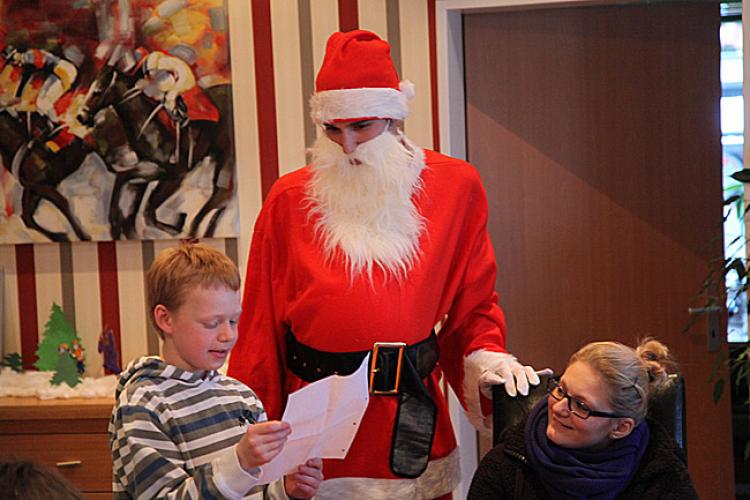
<point x="188" y="265"/>
<point x="632" y="376"/>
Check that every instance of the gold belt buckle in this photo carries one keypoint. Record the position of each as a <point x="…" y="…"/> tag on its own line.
<point x="373" y="368"/>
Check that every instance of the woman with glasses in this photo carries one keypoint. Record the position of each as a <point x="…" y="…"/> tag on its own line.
<point x="590" y="438"/>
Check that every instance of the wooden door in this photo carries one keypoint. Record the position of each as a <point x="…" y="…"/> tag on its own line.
<point x="596" y="131"/>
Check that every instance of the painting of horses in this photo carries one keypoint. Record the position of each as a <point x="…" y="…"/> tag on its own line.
<point x="116" y="120"/>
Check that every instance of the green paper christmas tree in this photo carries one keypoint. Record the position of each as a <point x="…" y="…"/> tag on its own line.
<point x="13" y="361"/>
<point x="67" y="371"/>
<point x="59" y="339"/>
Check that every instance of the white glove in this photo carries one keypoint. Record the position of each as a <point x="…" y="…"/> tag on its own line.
<point x="503" y="368"/>
<point x="482" y="370"/>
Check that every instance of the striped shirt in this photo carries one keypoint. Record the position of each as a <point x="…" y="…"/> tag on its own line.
<point x="173" y="434"/>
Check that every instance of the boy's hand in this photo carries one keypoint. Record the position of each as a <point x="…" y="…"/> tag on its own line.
<point x="261" y="443"/>
<point x="304" y="483"/>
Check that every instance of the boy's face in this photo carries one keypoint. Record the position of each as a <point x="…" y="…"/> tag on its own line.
<point x="200" y="333"/>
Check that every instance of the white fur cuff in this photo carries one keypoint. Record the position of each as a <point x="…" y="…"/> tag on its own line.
<point x="476" y="364"/>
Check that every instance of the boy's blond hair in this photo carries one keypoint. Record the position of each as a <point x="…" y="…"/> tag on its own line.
<point x="190" y="264"/>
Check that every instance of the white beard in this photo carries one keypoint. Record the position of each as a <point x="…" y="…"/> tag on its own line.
<point x="365" y="210"/>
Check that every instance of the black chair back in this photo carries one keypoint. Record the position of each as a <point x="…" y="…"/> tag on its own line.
<point x="667" y="407"/>
<point x="508" y="411"/>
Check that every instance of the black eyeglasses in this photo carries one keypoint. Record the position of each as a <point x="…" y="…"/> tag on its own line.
<point x="576" y="406"/>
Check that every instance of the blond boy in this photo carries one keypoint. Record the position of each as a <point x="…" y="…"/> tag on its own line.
<point x="181" y="429"/>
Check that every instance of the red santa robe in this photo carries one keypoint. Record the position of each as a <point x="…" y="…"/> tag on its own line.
<point x="290" y="284"/>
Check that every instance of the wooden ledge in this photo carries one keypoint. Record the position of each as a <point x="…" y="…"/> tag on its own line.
<point x="32" y="408"/>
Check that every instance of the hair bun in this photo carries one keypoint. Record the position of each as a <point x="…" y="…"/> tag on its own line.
<point x="658" y="361"/>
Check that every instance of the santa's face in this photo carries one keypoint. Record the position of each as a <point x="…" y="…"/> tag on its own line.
<point x="363" y="199"/>
<point x="350" y="134"/>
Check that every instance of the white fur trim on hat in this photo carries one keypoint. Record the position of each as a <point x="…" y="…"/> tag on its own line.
<point x="349" y="104"/>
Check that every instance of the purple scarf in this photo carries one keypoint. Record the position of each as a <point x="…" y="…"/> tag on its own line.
<point x="579" y="473"/>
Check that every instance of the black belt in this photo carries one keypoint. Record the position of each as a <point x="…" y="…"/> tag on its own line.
<point x="396" y="369"/>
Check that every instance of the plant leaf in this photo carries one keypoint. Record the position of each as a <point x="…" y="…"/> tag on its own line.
<point x="742" y="175"/>
<point x="718" y="390"/>
<point x="741" y="374"/>
<point x="732" y="199"/>
<point x="691" y="322"/>
<point x="737" y="265"/>
<point x="718" y="362"/>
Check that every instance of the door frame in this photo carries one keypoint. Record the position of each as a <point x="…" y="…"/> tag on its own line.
<point x="452" y="128"/>
<point x="450" y="60"/>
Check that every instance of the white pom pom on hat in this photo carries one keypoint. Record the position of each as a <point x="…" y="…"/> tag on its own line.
<point x="407" y="88"/>
<point x="358" y="80"/>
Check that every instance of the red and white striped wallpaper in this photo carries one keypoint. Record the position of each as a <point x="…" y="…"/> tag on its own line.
<point x="276" y="47"/>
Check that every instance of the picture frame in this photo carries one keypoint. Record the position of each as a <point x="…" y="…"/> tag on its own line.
<point x="116" y="121"/>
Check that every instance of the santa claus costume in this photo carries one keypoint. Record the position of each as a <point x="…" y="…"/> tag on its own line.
<point x="383" y="249"/>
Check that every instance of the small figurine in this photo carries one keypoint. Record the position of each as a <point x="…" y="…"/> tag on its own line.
<point x="108" y="347"/>
<point x="77" y="352"/>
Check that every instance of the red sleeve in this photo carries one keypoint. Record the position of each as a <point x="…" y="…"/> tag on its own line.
<point x="257" y="357"/>
<point x="475" y="320"/>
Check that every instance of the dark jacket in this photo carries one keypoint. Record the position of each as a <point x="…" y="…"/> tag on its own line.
<point x="505" y="471"/>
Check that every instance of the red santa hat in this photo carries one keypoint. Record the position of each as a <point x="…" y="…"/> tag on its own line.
<point x="358" y="81"/>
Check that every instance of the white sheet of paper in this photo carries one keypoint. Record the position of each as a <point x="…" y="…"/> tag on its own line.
<point x="324" y="416"/>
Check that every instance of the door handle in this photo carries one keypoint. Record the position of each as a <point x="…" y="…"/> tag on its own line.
<point x="712" y="335"/>
<point x="704" y="310"/>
